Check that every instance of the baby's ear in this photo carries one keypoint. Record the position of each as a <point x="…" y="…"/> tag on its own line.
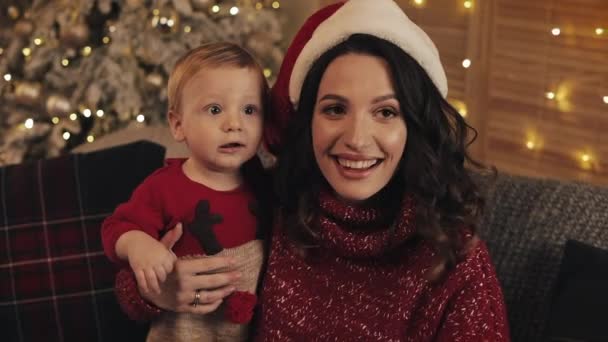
<point x="175" y="123"/>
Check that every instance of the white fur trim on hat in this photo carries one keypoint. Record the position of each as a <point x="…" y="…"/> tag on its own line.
<point x="380" y="18"/>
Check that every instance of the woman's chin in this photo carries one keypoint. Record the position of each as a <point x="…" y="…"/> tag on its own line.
<point x="357" y="195"/>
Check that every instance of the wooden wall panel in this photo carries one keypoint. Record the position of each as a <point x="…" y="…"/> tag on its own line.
<point x="526" y="62"/>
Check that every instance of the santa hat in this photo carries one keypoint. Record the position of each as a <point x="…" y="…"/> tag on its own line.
<point x="331" y="26"/>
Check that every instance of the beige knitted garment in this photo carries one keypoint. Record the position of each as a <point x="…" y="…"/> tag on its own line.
<point x="184" y="327"/>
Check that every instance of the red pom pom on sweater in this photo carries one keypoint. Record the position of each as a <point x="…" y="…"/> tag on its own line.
<point x="239" y="307"/>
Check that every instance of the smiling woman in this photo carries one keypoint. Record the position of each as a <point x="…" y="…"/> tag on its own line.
<point x="376" y="235"/>
<point x="358" y="132"/>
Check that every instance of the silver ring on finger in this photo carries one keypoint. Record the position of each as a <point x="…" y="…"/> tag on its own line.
<point x="197" y="298"/>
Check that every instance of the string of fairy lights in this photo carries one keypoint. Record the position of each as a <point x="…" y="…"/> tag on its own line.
<point x="159" y="20"/>
<point x="587" y="160"/>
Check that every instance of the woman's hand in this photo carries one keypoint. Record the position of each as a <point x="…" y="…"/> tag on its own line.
<point x="212" y="277"/>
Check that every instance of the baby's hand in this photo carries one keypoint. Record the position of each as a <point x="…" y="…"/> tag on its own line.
<point x="151" y="262"/>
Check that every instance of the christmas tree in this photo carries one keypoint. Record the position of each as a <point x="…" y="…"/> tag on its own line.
<point x="71" y="71"/>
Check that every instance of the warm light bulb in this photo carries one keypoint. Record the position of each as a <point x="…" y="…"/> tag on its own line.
<point x="163" y="20"/>
<point x="556" y="31"/>
<point x="463" y="111"/>
<point x="419" y="2"/>
<point x="90" y="138"/>
<point x="215" y="9"/>
<point x="65" y="62"/>
<point x="550" y="95"/>
<point x="530" y="145"/>
<point x="99" y="113"/>
<point x="187" y="29"/>
<point x="29" y="123"/>
<point x="55" y="120"/>
<point x="87" y="112"/>
<point x="66" y="135"/>
<point x="259" y="6"/>
<point x="7" y="77"/>
<point x="155" y="11"/>
<point x="466" y="63"/>
<point x="468" y="4"/>
<point x="599" y="31"/>
<point x="37" y="41"/>
<point x="606" y="99"/>
<point x="112" y="28"/>
<point x="276" y="5"/>
<point x="234" y="10"/>
<point x="267" y="72"/>
<point x="140" y="118"/>
<point x="585" y="157"/>
<point x="105" y="40"/>
<point x="86" y="51"/>
<point x="73" y="116"/>
<point x="26" y="52"/>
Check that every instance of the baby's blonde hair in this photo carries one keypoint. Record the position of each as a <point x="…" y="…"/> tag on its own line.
<point x="211" y="55"/>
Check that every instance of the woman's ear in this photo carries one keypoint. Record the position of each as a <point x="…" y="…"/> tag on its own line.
<point x="175" y="123"/>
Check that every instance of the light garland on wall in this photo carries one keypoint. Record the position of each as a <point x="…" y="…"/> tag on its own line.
<point x="558" y="94"/>
<point x="585" y="156"/>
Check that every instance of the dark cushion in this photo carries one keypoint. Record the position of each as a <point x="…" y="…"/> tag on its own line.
<point x="581" y="295"/>
<point x="526" y="225"/>
<point x="55" y="282"/>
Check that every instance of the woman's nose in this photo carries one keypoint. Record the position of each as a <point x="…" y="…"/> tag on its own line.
<point x="357" y="132"/>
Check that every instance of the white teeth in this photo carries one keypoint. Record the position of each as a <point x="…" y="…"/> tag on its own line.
<point x="357" y="164"/>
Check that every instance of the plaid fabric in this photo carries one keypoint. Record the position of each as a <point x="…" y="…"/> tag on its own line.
<point x="55" y="282"/>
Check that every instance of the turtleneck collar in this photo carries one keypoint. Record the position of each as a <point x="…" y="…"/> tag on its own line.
<point x="363" y="230"/>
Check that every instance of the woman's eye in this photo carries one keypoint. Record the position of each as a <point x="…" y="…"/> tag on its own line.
<point x="387" y="113"/>
<point x="334" y="110"/>
<point x="215" y="110"/>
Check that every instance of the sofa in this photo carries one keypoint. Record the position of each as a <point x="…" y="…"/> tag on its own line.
<point x="56" y="284"/>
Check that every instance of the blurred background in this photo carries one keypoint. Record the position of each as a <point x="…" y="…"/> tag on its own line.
<point x="530" y="76"/>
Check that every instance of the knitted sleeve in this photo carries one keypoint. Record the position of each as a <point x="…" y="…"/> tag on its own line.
<point x="477" y="312"/>
<point x="142" y="212"/>
<point x="130" y="300"/>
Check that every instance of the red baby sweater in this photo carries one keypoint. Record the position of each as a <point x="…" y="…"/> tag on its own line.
<point x="167" y="197"/>
<point x="353" y="288"/>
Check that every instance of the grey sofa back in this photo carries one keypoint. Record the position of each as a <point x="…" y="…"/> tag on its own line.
<point x="526" y="224"/>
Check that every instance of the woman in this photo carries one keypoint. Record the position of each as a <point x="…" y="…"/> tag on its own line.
<point x="375" y="237"/>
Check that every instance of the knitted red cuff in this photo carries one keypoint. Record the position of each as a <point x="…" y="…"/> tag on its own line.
<point x="239" y="307"/>
<point x="130" y="300"/>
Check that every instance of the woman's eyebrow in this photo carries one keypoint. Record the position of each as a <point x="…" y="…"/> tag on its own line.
<point x="383" y="98"/>
<point x="333" y="97"/>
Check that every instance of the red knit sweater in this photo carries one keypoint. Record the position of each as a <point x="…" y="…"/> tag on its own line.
<point x="352" y="288"/>
<point x="168" y="197"/>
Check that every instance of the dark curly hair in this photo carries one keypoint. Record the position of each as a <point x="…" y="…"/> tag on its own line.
<point x="432" y="168"/>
